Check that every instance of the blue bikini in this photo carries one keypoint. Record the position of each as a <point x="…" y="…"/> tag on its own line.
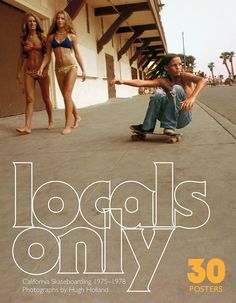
<point x="66" y="43"/>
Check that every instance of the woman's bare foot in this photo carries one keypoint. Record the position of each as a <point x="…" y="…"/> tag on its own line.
<point x="24" y="130"/>
<point x="66" y="131"/>
<point x="50" y="125"/>
<point x="76" y="122"/>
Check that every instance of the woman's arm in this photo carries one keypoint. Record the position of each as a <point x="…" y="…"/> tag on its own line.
<point x="77" y="55"/>
<point x="20" y="65"/>
<point x="47" y="55"/>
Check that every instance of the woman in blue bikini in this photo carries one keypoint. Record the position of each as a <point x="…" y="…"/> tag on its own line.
<point x="32" y="50"/>
<point x="62" y="40"/>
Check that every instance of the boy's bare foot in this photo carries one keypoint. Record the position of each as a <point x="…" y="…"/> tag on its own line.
<point x="66" y="131"/>
<point x="169" y="131"/>
<point x="50" y="125"/>
<point x="24" y="130"/>
<point x="76" y="122"/>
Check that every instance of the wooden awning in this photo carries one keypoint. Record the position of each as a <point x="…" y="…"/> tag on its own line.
<point x="138" y="20"/>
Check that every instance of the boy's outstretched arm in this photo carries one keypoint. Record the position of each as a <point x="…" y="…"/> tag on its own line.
<point x="137" y="82"/>
<point x="159" y="82"/>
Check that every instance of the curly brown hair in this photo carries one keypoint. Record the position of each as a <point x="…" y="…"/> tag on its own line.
<point x="25" y="32"/>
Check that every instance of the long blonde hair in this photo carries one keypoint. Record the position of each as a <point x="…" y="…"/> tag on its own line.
<point x="68" y="26"/>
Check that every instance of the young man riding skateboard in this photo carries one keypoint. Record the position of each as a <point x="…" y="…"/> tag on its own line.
<point x="172" y="102"/>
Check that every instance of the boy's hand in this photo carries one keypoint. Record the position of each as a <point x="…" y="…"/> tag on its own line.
<point x="115" y="81"/>
<point x="187" y="105"/>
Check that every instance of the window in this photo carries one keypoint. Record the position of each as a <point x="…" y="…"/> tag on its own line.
<point x="134" y="73"/>
<point x="140" y="74"/>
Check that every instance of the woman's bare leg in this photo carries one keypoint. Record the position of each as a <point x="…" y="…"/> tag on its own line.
<point x="66" y="84"/>
<point x="77" y="118"/>
<point x="29" y="84"/>
<point x="44" y="85"/>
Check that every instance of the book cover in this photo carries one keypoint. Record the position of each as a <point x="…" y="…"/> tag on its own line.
<point x="96" y="217"/>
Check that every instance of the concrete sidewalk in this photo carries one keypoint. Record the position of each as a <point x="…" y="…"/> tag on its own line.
<point x="101" y="149"/>
<point x="221" y="99"/>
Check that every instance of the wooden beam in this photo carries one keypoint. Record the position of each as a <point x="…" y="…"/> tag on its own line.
<point x="153" y="47"/>
<point x="153" y="53"/>
<point x="156" y="62"/>
<point x="113" y="28"/>
<point x="153" y="50"/>
<point x="142" y="61"/>
<point x="127" y="45"/>
<point x="153" y="73"/>
<point x="149" y="59"/>
<point x="154" y="57"/>
<point x="157" y="19"/>
<point x="110" y="10"/>
<point x="74" y="7"/>
<point x="138" y="52"/>
<point x="147" y="53"/>
<point x="152" y="39"/>
<point x="127" y="29"/>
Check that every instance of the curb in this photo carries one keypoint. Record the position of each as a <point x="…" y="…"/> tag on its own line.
<point x="225" y="123"/>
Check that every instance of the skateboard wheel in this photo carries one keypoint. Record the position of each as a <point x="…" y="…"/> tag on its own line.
<point x="137" y="137"/>
<point x="179" y="138"/>
<point x="134" y="138"/>
<point x="173" y="140"/>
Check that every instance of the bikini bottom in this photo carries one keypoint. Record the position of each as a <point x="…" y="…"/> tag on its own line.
<point x="34" y="74"/>
<point x="65" y="69"/>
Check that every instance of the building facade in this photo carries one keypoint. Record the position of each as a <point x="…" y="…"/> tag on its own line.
<point x="116" y="39"/>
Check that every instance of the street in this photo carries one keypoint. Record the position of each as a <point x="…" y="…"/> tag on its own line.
<point x="198" y="173"/>
<point x="221" y="99"/>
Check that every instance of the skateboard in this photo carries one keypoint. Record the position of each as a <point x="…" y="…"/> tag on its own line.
<point x="169" y="138"/>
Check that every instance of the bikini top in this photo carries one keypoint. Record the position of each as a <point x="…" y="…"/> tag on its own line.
<point x="66" y="43"/>
<point x="28" y="48"/>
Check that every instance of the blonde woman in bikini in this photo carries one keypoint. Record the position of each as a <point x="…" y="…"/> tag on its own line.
<point x="62" y="40"/>
<point x="32" y="50"/>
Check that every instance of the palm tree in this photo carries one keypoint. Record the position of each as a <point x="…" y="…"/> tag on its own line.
<point x="211" y="67"/>
<point x="231" y="55"/>
<point x="225" y="56"/>
<point x="189" y="62"/>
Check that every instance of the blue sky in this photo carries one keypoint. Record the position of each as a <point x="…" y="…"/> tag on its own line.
<point x="209" y="28"/>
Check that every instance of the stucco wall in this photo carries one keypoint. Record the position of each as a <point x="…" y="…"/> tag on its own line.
<point x="95" y="89"/>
